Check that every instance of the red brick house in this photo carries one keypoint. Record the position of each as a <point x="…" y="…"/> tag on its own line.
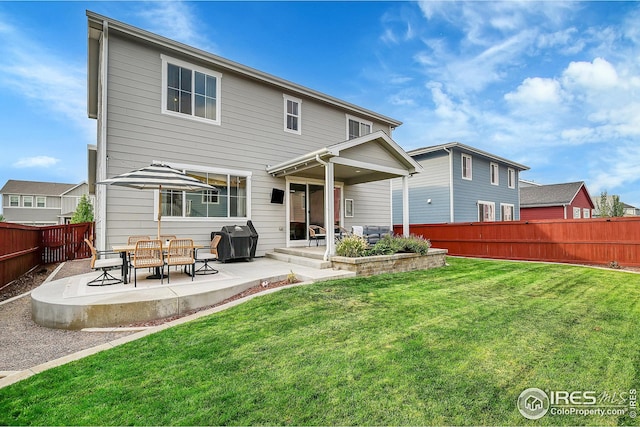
<point x="556" y="201"/>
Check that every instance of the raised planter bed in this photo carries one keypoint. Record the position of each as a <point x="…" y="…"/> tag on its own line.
<point x="397" y="263"/>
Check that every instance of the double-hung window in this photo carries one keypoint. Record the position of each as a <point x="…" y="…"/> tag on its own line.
<point x="292" y="114"/>
<point x="506" y="212"/>
<point x="466" y="167"/>
<point x="27" y="201"/>
<point x="190" y="91"/>
<point x="495" y="174"/>
<point x="231" y="200"/>
<point x="14" y="201"/>
<point x="357" y="127"/>
<point x="511" y="177"/>
<point x="41" y="202"/>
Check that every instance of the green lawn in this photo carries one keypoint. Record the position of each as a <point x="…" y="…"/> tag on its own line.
<point x="455" y="345"/>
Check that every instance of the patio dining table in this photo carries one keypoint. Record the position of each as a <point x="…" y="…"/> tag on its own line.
<point x="125" y="250"/>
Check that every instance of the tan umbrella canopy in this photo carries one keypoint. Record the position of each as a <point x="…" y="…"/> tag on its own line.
<point x="160" y="177"/>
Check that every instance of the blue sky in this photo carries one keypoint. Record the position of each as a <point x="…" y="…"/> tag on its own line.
<point x="553" y="85"/>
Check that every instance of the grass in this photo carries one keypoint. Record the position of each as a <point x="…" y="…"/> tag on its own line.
<point x="453" y="346"/>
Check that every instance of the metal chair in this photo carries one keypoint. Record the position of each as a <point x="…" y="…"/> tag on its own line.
<point x="104" y="264"/>
<point x="316" y="233"/>
<point x="180" y="252"/>
<point x="148" y="254"/>
<point x="212" y="255"/>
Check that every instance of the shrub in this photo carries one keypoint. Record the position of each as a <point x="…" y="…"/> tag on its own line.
<point x="388" y="245"/>
<point x="416" y="244"/>
<point x="352" y="246"/>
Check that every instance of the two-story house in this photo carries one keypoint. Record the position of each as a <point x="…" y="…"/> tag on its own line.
<point x="462" y="184"/>
<point x="271" y="147"/>
<point x="40" y="203"/>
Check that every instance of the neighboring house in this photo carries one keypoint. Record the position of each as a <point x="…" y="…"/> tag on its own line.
<point x="40" y="203"/>
<point x="270" y="146"/>
<point x="628" y="209"/>
<point x="557" y="201"/>
<point x="462" y="184"/>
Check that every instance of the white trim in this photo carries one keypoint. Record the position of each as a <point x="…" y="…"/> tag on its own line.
<point x="218" y="76"/>
<point x="513" y="211"/>
<point x="213" y="170"/>
<point x="497" y="175"/>
<point x="586" y="213"/>
<point x="493" y="209"/>
<point x="361" y="122"/>
<point x="349" y="213"/>
<point x="577" y="211"/>
<point x="286" y="114"/>
<point x="462" y="157"/>
<point x="511" y="182"/>
<point x="45" y="202"/>
<point x="14" y="195"/>
<point x="24" y="199"/>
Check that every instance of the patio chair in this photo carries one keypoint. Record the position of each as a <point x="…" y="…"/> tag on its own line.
<point x="105" y="264"/>
<point x="341" y="233"/>
<point x="316" y="233"/>
<point x="131" y="240"/>
<point x="180" y="252"/>
<point x="205" y="257"/>
<point x="148" y="254"/>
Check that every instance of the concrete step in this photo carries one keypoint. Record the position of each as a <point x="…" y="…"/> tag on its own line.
<point x="311" y="252"/>
<point x="299" y="260"/>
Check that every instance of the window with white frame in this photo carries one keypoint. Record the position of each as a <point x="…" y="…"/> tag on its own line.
<point x="511" y="177"/>
<point x="495" y="174"/>
<point x="576" y="213"/>
<point x="190" y="91"/>
<point x="14" y="201"/>
<point x="507" y="212"/>
<point x="586" y="213"/>
<point x="27" y="201"/>
<point x="357" y="127"/>
<point x="486" y="211"/>
<point x="41" y="202"/>
<point x="466" y="166"/>
<point x="231" y="201"/>
<point x="292" y="114"/>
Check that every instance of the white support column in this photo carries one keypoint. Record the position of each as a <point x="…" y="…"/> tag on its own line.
<point x="329" y="209"/>
<point x="405" y="206"/>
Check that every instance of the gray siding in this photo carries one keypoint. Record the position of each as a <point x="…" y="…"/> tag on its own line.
<point x="250" y="137"/>
<point x="432" y="184"/>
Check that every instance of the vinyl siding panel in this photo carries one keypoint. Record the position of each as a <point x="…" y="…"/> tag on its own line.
<point x="371" y="204"/>
<point x="432" y="183"/>
<point x="467" y="193"/>
<point x="250" y="137"/>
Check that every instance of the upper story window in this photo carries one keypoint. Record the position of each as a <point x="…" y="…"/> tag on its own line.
<point x="507" y="211"/>
<point x="466" y="166"/>
<point x="41" y="202"/>
<point x="14" y="201"/>
<point x="292" y="114"/>
<point x="576" y="213"/>
<point x="511" y="177"/>
<point x="495" y="174"/>
<point x="27" y="201"/>
<point x="190" y="91"/>
<point x="231" y="201"/>
<point x="357" y="127"/>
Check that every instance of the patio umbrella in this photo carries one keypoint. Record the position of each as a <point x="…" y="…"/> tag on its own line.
<point x="158" y="177"/>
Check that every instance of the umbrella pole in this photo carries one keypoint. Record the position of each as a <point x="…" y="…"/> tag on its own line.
<point x="159" y="209"/>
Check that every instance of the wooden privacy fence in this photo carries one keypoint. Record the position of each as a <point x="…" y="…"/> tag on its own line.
<point x="583" y="241"/>
<point x="23" y="247"/>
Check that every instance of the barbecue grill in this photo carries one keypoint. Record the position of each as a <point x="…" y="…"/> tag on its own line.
<point x="237" y="242"/>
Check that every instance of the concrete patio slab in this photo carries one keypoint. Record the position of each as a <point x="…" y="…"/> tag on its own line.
<point x="70" y="304"/>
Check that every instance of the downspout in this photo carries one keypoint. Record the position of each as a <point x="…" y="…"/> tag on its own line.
<point x="328" y="209"/>
<point x="102" y="136"/>
<point x="451" y="211"/>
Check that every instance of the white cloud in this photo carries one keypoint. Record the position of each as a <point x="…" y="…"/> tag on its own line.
<point x="599" y="74"/>
<point x="535" y="90"/>
<point x="36" y="162"/>
<point x="178" y="21"/>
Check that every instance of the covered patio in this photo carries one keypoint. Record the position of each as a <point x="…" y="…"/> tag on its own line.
<point x="369" y="158"/>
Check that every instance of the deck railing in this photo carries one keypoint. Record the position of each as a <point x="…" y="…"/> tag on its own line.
<point x="24" y="247"/>
<point x="601" y="241"/>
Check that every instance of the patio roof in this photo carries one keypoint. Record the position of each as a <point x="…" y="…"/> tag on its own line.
<point x="371" y="157"/>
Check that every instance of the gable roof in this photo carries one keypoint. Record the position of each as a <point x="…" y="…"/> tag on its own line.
<point x="431" y="149"/>
<point x="550" y="195"/>
<point x="35" y="188"/>
<point x="98" y="23"/>
<point x="350" y="170"/>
